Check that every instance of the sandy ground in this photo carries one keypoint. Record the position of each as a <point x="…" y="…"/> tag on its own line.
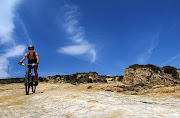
<point x="76" y="101"/>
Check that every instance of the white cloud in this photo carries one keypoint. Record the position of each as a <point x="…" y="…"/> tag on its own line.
<point x="78" y="38"/>
<point x="75" y="49"/>
<point x="6" y="17"/>
<point x="77" y="34"/>
<point x="3" y="67"/>
<point x="17" y="50"/>
<point x="7" y="14"/>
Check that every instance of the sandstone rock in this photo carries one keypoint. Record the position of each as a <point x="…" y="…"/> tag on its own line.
<point x="89" y="87"/>
<point x="134" y="93"/>
<point x="120" y="86"/>
<point x="164" y="90"/>
<point x="157" y="86"/>
<point x="119" y="90"/>
<point x="148" y="77"/>
<point x="109" y="79"/>
<point x="47" y="78"/>
<point x="101" y="88"/>
<point x="70" y="102"/>
<point x="93" y="75"/>
<point x="109" y="89"/>
<point x="58" y="78"/>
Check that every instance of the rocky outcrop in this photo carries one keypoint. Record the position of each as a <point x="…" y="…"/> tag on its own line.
<point x="148" y="77"/>
<point x="91" y="77"/>
<point x="11" y="80"/>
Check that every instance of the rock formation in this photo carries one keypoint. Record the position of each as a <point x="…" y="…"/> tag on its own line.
<point x="91" y="77"/>
<point x="148" y="76"/>
<point x="136" y="75"/>
<point x="11" y="80"/>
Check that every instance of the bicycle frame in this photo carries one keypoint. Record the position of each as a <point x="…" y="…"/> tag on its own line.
<point x="30" y="74"/>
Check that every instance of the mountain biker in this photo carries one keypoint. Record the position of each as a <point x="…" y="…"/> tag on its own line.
<point x="32" y="58"/>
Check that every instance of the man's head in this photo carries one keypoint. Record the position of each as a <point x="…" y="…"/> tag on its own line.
<point x="31" y="48"/>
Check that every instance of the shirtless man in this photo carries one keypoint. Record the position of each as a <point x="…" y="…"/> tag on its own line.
<point x="32" y="58"/>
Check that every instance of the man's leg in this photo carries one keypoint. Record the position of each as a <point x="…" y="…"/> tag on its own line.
<point x="36" y="74"/>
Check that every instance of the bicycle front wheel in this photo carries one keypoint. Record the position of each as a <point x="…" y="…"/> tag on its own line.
<point x="27" y="86"/>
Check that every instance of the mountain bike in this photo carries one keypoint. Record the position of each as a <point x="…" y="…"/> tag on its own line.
<point x="29" y="78"/>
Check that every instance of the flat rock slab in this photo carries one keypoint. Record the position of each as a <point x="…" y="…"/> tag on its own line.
<point x="64" y="100"/>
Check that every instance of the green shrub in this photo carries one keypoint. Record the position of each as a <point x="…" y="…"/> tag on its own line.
<point x="120" y="78"/>
<point x="174" y="72"/>
<point x="176" y="77"/>
<point x="135" y="66"/>
<point x="148" y="77"/>
<point x="154" y="68"/>
<point x="151" y="66"/>
<point x="171" y="70"/>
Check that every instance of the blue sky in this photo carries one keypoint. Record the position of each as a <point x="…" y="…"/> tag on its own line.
<point x="73" y="36"/>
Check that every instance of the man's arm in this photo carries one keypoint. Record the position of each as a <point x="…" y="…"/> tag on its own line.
<point x="37" y="57"/>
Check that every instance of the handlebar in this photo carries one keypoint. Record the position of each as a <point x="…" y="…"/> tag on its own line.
<point x="33" y="64"/>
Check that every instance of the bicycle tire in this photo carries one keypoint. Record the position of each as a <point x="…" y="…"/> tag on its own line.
<point x="33" y="84"/>
<point x="27" y="86"/>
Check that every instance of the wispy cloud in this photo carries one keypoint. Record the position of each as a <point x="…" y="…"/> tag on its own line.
<point x="75" y="49"/>
<point x="17" y="50"/>
<point x="172" y="61"/>
<point x="76" y="34"/>
<point x="6" y="17"/>
<point x="146" y="55"/>
<point x="24" y="31"/>
<point x="13" y="52"/>
<point x="7" y="14"/>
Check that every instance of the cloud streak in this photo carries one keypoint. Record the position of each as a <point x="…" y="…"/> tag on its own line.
<point x="7" y="14"/>
<point x="173" y="60"/>
<point x="76" y="34"/>
<point x="25" y="32"/>
<point x="145" y="56"/>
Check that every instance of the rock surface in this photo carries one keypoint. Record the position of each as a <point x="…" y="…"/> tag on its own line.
<point x="77" y="101"/>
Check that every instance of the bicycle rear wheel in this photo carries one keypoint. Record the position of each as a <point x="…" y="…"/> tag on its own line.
<point x="33" y="84"/>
